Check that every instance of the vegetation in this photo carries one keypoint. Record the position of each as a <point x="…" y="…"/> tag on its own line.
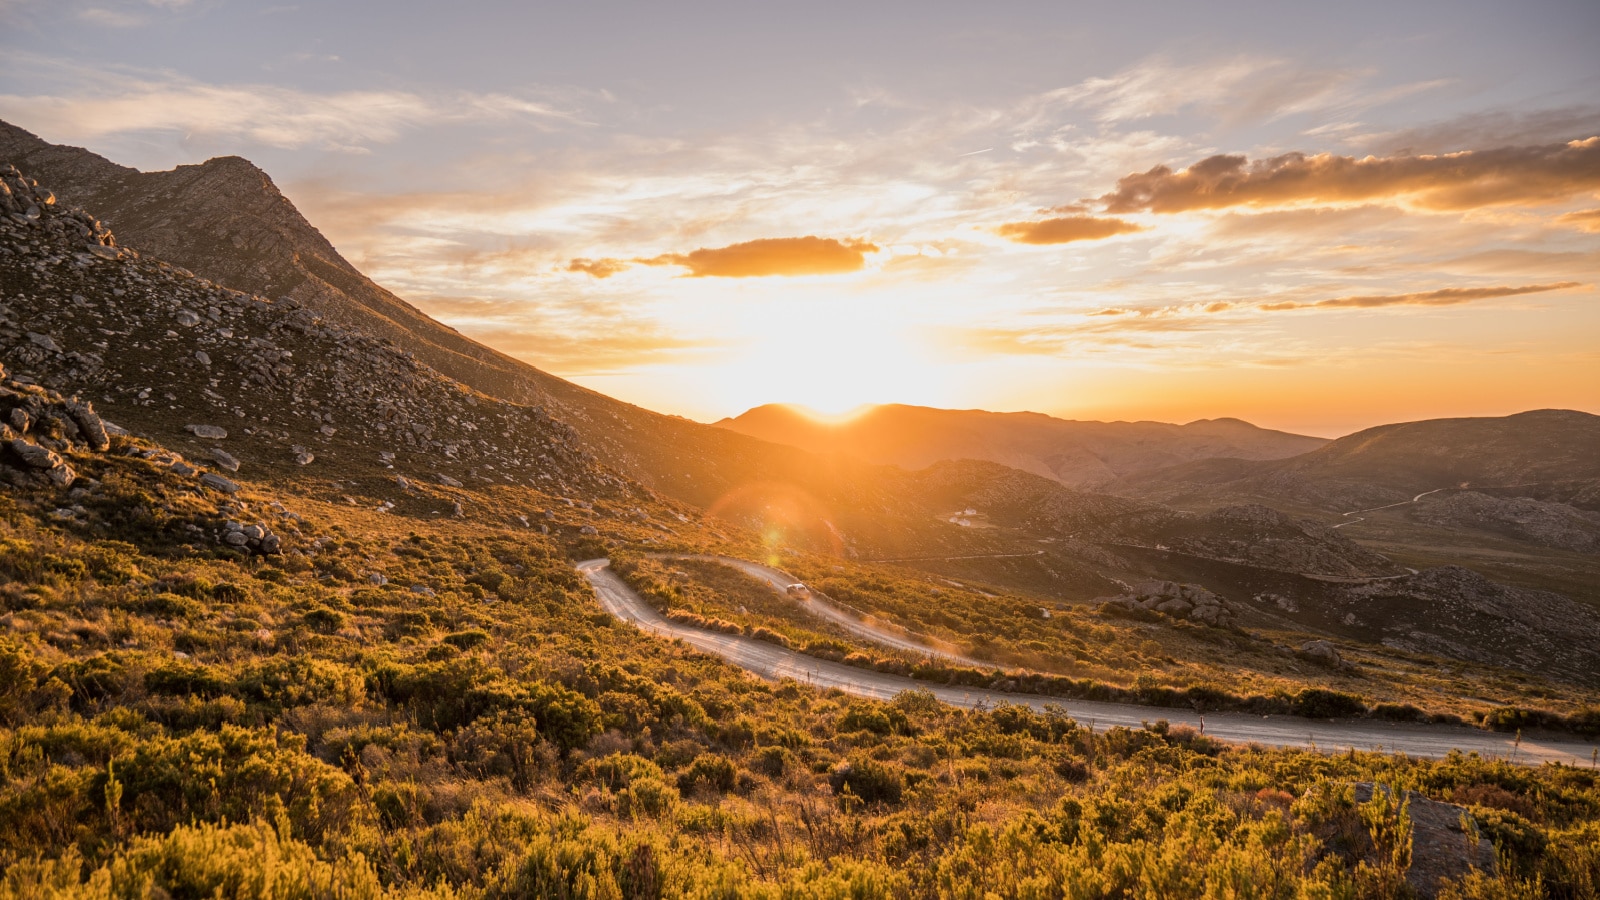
<point x="195" y="721"/>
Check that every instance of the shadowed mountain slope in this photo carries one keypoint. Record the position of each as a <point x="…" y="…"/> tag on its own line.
<point x="1548" y="454"/>
<point x="1078" y="454"/>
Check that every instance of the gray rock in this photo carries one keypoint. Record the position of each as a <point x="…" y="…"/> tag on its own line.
<point x="217" y="482"/>
<point x="224" y="459"/>
<point x="209" y="432"/>
<point x="235" y="538"/>
<point x="20" y="420"/>
<point x="588" y="529"/>
<point x="202" y="357"/>
<point x="447" y="481"/>
<point x="90" y="426"/>
<point x="378" y="578"/>
<point x="188" y="318"/>
<point x="304" y="457"/>
<point x="35" y="456"/>
<point x="44" y="341"/>
<point x="1322" y="652"/>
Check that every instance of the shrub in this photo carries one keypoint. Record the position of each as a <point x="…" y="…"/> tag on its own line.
<point x="1320" y="703"/>
<point x="324" y="620"/>
<point x="708" y="771"/>
<point x="467" y="640"/>
<point x="869" y="780"/>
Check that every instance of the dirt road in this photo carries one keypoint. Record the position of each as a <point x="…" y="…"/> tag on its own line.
<point x="773" y="662"/>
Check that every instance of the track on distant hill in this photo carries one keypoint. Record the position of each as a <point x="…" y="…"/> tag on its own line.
<point x="821" y="606"/>
<point x="774" y="662"/>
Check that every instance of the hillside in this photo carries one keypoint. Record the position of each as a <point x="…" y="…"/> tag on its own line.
<point x="1548" y="452"/>
<point x="226" y="221"/>
<point x="1078" y="454"/>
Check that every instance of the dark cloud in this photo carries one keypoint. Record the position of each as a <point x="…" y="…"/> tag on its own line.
<point x="1442" y="297"/>
<point x="1454" y="181"/>
<point x="599" y="268"/>
<point x="808" y="255"/>
<point x="1065" y="229"/>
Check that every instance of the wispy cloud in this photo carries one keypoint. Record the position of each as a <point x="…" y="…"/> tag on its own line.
<point x="1441" y="297"/>
<point x="1583" y="220"/>
<point x="98" y="104"/>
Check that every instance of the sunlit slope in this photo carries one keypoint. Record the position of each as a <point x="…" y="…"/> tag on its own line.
<point x="1078" y="454"/>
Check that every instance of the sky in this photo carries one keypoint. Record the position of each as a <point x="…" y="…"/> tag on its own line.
<point x="1313" y="217"/>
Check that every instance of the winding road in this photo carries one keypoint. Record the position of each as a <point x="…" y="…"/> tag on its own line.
<point x="820" y="606"/>
<point x="1376" y="508"/>
<point x="774" y="662"/>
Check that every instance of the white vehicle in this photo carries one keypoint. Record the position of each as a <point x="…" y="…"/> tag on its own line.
<point x="798" y="591"/>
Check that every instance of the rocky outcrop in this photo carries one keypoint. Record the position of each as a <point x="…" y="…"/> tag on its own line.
<point x="1445" y="844"/>
<point x="1257" y="535"/>
<point x="1453" y="611"/>
<point x="1534" y="521"/>
<point x="1176" y="601"/>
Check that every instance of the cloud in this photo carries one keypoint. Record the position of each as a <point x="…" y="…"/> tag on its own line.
<point x="104" y="103"/>
<point x="1455" y="181"/>
<point x="809" y="255"/>
<point x="1065" y="229"/>
<point x="1583" y="219"/>
<point x="599" y="268"/>
<point x="109" y="18"/>
<point x="1442" y="297"/>
<point x="1236" y="90"/>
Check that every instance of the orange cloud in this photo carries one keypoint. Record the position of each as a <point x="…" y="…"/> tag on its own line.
<point x="1583" y="219"/>
<point x="1065" y="229"/>
<point x="1443" y="297"/>
<point x="1453" y="181"/>
<point x="808" y="255"/>
<point x="599" y="268"/>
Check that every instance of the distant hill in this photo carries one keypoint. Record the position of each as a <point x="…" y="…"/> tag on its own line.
<point x="1547" y="453"/>
<point x="1075" y="453"/>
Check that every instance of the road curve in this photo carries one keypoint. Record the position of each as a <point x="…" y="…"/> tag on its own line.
<point x="774" y="662"/>
<point x="821" y="607"/>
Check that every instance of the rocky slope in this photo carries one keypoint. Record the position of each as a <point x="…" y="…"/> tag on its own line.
<point x="227" y="222"/>
<point x="1555" y="525"/>
<point x="245" y="380"/>
<point x="1078" y="454"/>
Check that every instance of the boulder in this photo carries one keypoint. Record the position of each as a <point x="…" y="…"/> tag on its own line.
<point x="225" y="459"/>
<point x="218" y="483"/>
<point x="35" y="456"/>
<point x="90" y="427"/>
<point x="208" y="432"/>
<point x="1321" y="652"/>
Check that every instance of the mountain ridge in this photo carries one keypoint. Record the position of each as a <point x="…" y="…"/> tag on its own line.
<point x="1077" y="453"/>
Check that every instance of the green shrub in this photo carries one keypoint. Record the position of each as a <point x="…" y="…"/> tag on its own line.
<point x="869" y="780"/>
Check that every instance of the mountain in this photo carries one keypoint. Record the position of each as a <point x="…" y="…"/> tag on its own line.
<point x="226" y="221"/>
<point x="1546" y="454"/>
<point x="1078" y="454"/>
<point x="246" y="381"/>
